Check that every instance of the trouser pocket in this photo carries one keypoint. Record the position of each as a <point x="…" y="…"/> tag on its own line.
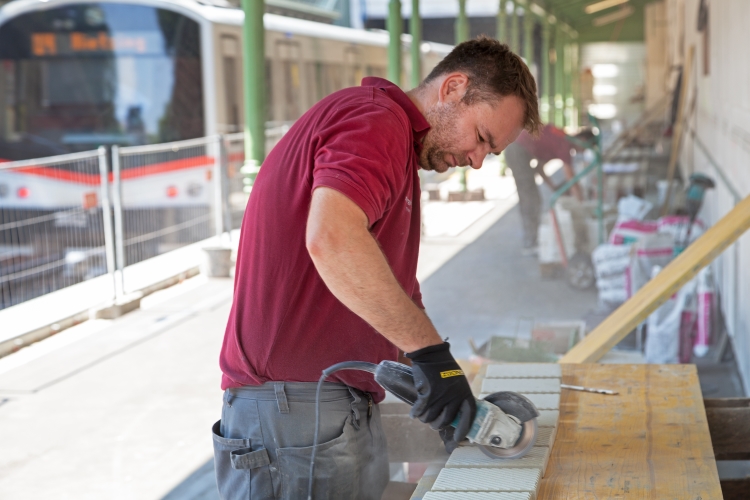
<point x="241" y="471"/>
<point x="336" y="469"/>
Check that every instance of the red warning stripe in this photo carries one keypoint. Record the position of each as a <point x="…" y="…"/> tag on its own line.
<point x="128" y="173"/>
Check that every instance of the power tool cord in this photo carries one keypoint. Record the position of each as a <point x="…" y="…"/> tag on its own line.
<point x="346" y="365"/>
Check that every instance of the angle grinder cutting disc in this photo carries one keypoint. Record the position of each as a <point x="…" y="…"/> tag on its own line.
<point x="520" y="408"/>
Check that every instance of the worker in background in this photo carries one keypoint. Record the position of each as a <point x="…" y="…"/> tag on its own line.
<point x="526" y="158"/>
<point x="326" y="272"/>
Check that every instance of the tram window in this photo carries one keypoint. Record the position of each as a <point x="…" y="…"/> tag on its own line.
<point x="73" y="80"/>
<point x="230" y="52"/>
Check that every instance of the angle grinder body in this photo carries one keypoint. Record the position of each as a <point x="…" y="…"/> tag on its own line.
<point x="505" y="425"/>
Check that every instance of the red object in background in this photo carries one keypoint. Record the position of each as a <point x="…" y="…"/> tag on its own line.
<point x="22" y="192"/>
<point x="172" y="191"/>
<point x="90" y="200"/>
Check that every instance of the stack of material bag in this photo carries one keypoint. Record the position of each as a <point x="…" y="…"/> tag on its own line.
<point x="635" y="252"/>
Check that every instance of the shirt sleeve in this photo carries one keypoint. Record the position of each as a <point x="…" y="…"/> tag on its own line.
<point x="416" y="295"/>
<point x="363" y="154"/>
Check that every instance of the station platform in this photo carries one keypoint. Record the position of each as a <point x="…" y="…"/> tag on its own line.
<point x="122" y="409"/>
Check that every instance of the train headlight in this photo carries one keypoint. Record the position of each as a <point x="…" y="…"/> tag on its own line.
<point x="172" y="192"/>
<point x="22" y="192"/>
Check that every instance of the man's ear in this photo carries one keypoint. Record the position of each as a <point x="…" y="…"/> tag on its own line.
<point x="453" y="88"/>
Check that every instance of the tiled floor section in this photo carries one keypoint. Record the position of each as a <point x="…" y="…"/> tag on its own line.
<point x="469" y="474"/>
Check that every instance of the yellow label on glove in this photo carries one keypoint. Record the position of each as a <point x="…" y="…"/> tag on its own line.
<point x="451" y="373"/>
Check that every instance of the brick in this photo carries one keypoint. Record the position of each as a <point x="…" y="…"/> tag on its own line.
<point x="478" y="495"/>
<point x="523" y="370"/>
<point x="487" y="480"/>
<point x="522" y="385"/>
<point x="472" y="457"/>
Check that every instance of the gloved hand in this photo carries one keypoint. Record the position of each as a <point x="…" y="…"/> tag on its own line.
<point x="443" y="390"/>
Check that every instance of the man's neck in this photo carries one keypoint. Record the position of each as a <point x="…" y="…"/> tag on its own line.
<point x="421" y="97"/>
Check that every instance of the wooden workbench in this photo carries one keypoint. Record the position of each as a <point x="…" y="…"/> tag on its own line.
<point x="649" y="442"/>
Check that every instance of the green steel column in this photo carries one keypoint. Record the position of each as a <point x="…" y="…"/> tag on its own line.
<point x="546" y="69"/>
<point x="559" y="76"/>
<point x="528" y="35"/>
<point x="514" y="35"/>
<point x="395" y="27"/>
<point x="415" y="26"/>
<point x="254" y="72"/>
<point x="569" y="122"/>
<point x="501" y="31"/>
<point x="462" y="23"/>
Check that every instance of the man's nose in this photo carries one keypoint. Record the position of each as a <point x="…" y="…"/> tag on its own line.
<point x="477" y="158"/>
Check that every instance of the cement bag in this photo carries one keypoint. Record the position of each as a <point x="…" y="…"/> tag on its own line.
<point x="652" y="250"/>
<point x="610" y="260"/>
<point x="632" y="208"/>
<point x="677" y="225"/>
<point x="663" y="334"/>
<point x="630" y="231"/>
<point x="705" y="301"/>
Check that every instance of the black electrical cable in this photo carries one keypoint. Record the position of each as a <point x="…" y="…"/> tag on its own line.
<point x="346" y="365"/>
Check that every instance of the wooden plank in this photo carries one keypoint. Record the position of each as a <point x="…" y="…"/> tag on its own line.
<point x="729" y="424"/>
<point x="687" y="74"/>
<point x="649" y="442"/>
<point x="654" y="293"/>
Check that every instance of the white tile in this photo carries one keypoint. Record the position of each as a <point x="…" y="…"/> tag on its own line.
<point x="471" y="456"/>
<point x="522" y="385"/>
<point x="478" y="495"/>
<point x="523" y="370"/>
<point x="548" y="418"/>
<point x="545" y="436"/>
<point x="540" y="401"/>
<point x="487" y="480"/>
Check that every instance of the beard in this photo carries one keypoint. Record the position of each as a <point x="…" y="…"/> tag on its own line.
<point x="439" y="142"/>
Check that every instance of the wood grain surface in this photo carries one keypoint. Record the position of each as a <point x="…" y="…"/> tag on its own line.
<point x="649" y="442"/>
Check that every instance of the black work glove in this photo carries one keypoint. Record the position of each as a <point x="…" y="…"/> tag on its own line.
<point x="443" y="390"/>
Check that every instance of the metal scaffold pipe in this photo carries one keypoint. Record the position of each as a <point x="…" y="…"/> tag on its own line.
<point x="559" y="76"/>
<point x="462" y="23"/>
<point x="514" y="31"/>
<point x="501" y="31"/>
<point x="528" y="35"/>
<point x="546" y="69"/>
<point x="415" y="26"/>
<point x="254" y="71"/>
<point x="395" y="28"/>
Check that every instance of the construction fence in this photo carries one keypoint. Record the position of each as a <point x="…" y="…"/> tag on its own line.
<point x="118" y="214"/>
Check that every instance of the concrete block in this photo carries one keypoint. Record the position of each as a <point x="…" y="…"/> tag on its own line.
<point x="472" y="457"/>
<point x="478" y="495"/>
<point x="126" y="304"/>
<point x="541" y="401"/>
<point x="487" y="480"/>
<point x="523" y="370"/>
<point x="522" y="385"/>
<point x="548" y="418"/>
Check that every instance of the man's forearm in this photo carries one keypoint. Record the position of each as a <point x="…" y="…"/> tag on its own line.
<point x="355" y="270"/>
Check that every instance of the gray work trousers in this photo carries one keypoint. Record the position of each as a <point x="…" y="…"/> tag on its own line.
<point x="263" y="443"/>
<point x="529" y="198"/>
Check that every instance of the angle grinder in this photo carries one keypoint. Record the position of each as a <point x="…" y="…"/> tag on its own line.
<point x="505" y="425"/>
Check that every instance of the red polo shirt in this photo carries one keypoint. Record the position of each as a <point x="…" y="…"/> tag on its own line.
<point x="285" y="325"/>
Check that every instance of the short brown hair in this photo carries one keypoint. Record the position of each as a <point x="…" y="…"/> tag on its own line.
<point x="493" y="70"/>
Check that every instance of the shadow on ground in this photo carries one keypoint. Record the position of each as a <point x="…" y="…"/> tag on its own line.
<point x="200" y="485"/>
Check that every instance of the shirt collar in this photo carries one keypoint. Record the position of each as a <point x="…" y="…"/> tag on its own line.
<point x="419" y="123"/>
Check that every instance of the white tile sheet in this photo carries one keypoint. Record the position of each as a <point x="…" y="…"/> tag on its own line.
<point x="478" y="495"/>
<point x="522" y="385"/>
<point x="523" y="370"/>
<point x="471" y="457"/>
<point x="487" y="480"/>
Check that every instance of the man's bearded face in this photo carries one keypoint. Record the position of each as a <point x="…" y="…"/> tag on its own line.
<point x="440" y="149"/>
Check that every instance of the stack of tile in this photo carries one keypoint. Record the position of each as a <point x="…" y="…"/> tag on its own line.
<point x="470" y="475"/>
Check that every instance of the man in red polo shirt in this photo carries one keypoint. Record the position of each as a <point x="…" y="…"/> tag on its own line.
<point x="326" y="272"/>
